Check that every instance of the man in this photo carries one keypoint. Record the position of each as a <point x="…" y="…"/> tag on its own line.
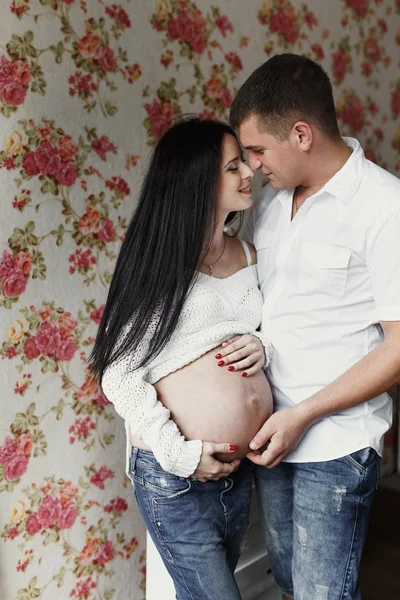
<point x="327" y="233"/>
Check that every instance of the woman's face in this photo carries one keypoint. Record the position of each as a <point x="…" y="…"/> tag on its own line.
<point x="234" y="191"/>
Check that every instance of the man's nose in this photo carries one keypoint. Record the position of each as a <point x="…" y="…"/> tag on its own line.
<point x="253" y="162"/>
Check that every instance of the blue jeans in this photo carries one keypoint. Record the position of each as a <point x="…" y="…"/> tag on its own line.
<point x="315" y="518"/>
<point x="198" y="528"/>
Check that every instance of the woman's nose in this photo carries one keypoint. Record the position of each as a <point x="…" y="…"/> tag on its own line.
<point x="248" y="172"/>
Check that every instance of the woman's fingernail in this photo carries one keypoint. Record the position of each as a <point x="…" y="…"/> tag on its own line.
<point x="218" y="356"/>
<point x="244" y="374"/>
<point x="231" y="368"/>
<point x="232" y="447"/>
<point x="221" y="363"/>
<point x="253" y="445"/>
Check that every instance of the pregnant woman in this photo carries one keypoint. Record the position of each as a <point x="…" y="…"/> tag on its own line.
<point x="180" y="288"/>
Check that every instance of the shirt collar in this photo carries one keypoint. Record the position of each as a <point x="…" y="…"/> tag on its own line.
<point x="345" y="182"/>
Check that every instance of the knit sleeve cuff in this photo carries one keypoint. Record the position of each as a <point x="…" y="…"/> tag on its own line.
<point x="188" y="458"/>
<point x="268" y="347"/>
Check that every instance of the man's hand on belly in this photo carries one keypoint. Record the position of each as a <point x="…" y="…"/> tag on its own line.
<point x="282" y="432"/>
<point x="242" y="353"/>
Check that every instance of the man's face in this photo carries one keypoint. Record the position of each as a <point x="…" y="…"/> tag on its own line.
<point x="280" y="161"/>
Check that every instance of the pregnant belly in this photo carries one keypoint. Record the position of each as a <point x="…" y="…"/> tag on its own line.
<point x="210" y="403"/>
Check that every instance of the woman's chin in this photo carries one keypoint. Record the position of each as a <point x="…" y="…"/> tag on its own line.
<point x="246" y="202"/>
<point x="249" y="202"/>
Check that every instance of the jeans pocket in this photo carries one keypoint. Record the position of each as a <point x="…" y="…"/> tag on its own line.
<point x="360" y="460"/>
<point x="164" y="486"/>
<point x="173" y="510"/>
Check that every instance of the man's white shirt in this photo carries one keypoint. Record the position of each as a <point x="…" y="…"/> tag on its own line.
<point x="329" y="277"/>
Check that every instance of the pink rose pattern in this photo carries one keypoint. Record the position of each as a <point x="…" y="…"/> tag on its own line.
<point x="15" y="77"/>
<point x="52" y="507"/>
<point x="58" y="163"/>
<point x="72" y="197"/>
<point x="96" y="58"/>
<point x="13" y="459"/>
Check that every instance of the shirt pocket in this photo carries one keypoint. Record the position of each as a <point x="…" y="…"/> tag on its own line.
<point x="262" y="238"/>
<point x="323" y="269"/>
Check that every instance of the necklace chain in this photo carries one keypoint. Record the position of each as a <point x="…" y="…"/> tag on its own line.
<point x="209" y="267"/>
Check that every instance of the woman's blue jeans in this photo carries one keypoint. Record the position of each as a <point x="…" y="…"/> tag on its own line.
<point x="198" y="528"/>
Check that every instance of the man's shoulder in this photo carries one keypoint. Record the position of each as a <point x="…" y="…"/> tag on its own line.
<point x="378" y="179"/>
<point x="375" y="173"/>
<point x="380" y="190"/>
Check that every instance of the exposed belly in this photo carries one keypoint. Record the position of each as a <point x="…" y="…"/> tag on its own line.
<point x="214" y="405"/>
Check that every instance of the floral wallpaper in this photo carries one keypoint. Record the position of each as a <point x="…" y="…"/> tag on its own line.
<point x="86" y="87"/>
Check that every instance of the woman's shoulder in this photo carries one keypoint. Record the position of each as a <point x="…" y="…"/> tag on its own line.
<point x="253" y="253"/>
<point x="252" y="250"/>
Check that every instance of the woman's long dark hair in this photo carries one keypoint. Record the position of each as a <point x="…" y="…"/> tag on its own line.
<point x="164" y="243"/>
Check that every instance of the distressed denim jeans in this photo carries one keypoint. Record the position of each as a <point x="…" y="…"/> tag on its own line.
<point x="198" y="528"/>
<point x="315" y="518"/>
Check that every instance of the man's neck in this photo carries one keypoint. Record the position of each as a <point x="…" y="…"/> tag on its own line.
<point x="329" y="160"/>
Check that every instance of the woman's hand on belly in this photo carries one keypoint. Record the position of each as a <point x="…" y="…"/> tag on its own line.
<point x="242" y="353"/>
<point x="209" y="468"/>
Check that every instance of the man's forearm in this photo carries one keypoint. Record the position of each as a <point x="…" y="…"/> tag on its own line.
<point x="372" y="375"/>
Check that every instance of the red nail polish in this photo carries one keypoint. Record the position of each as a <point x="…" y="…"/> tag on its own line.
<point x="244" y="374"/>
<point x="233" y="447"/>
<point x="218" y="356"/>
<point x="221" y="363"/>
<point x="231" y="368"/>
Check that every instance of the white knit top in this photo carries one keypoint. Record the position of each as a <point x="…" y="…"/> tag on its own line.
<point x="214" y="310"/>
